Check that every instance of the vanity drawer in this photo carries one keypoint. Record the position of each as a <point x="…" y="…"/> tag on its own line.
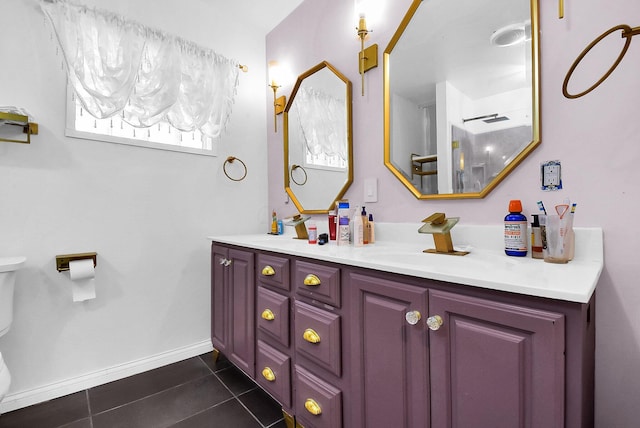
<point x="273" y="314"/>
<point x="317" y="403"/>
<point x="274" y="271"/>
<point x="273" y="373"/>
<point x="318" y="282"/>
<point x="317" y="336"/>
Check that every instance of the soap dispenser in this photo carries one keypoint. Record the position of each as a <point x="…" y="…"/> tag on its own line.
<point x="365" y="226"/>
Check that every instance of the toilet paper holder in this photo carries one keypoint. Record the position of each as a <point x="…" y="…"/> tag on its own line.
<point x="62" y="261"/>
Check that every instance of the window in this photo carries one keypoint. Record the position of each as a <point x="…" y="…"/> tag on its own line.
<point x="163" y="136"/>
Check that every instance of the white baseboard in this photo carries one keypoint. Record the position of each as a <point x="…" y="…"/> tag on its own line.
<point x="59" y="389"/>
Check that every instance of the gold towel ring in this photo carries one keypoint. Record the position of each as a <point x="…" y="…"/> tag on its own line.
<point x="230" y="159"/>
<point x="627" y="32"/>
<point x="293" y="168"/>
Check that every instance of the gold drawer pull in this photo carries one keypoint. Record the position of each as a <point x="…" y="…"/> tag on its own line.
<point x="311" y="280"/>
<point x="268" y="315"/>
<point x="268" y="271"/>
<point x="268" y="374"/>
<point x="311" y="336"/>
<point x="312" y="406"/>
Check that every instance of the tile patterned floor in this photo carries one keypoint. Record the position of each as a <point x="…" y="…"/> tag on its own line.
<point x="194" y="393"/>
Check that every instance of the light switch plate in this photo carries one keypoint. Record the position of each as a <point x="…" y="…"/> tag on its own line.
<point x="551" y="175"/>
<point x="370" y="190"/>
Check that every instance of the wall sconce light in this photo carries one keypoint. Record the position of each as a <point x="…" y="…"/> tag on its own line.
<point x="367" y="58"/>
<point x="275" y="80"/>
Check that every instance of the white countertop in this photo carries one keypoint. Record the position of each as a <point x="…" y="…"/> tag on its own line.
<point x="399" y="249"/>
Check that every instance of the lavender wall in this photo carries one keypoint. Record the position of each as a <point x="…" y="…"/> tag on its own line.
<point x="595" y="138"/>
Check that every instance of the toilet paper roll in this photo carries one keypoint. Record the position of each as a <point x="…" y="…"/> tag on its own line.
<point x="82" y="274"/>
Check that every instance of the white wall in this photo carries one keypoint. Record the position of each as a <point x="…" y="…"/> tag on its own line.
<point x="146" y="212"/>
<point x="595" y="138"/>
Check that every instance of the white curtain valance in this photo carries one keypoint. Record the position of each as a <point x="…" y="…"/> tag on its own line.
<point x="323" y="122"/>
<point x="118" y="66"/>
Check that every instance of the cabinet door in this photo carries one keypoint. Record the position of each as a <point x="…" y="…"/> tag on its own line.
<point x="233" y="296"/>
<point x="219" y="298"/>
<point x="242" y="321"/>
<point x="495" y="365"/>
<point x="390" y="385"/>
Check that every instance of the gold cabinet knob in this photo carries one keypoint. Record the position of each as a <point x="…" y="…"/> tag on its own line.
<point x="312" y="406"/>
<point x="311" y="336"/>
<point x="268" y="271"/>
<point x="312" y="280"/>
<point x="434" y="322"/>
<point x="268" y="374"/>
<point x="413" y="317"/>
<point x="268" y="315"/>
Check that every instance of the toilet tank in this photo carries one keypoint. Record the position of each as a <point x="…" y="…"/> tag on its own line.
<point x="8" y="268"/>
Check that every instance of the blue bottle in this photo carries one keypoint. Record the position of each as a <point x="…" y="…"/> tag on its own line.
<point x="515" y="230"/>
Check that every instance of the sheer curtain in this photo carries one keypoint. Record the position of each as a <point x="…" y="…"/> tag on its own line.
<point x="323" y="121"/>
<point x="118" y="66"/>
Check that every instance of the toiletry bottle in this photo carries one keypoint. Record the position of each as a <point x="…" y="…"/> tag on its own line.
<point x="569" y="235"/>
<point x="313" y="233"/>
<point x="358" y="230"/>
<point x="274" y="223"/>
<point x="515" y="230"/>
<point x="365" y="226"/>
<point x="372" y="229"/>
<point x="280" y="227"/>
<point x="343" y="223"/>
<point x="536" y="238"/>
<point x="333" y="223"/>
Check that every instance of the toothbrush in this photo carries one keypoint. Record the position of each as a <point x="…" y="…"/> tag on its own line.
<point x="541" y="207"/>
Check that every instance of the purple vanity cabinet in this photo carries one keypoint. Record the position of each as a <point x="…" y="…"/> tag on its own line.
<point x="433" y="354"/>
<point x="232" y="305"/>
<point x="345" y="346"/>
<point x="273" y="321"/>
<point x="389" y="362"/>
<point x="494" y="364"/>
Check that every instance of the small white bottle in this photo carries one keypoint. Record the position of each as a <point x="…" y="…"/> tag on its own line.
<point x="313" y="233"/>
<point x="358" y="229"/>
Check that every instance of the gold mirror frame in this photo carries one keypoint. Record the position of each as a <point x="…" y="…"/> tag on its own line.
<point x="535" y="114"/>
<point x="289" y="166"/>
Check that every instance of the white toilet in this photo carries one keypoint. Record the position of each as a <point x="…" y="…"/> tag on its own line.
<point x="8" y="268"/>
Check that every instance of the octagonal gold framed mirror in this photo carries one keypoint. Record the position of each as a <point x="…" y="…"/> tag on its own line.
<point x="318" y="139"/>
<point x="461" y="95"/>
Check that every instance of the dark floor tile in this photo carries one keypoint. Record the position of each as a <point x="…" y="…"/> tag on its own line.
<point x="263" y="407"/>
<point x="280" y="424"/>
<point x="50" y="414"/>
<point x="236" y="380"/>
<point x="82" y="423"/>
<point x="215" y="364"/>
<point x="166" y="408"/>
<point x="117" y="393"/>
<point x="227" y="414"/>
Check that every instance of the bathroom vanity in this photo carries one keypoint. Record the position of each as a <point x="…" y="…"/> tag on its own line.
<point x="389" y="336"/>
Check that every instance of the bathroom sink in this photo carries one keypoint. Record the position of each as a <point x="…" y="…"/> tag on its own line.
<point x="8" y="264"/>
